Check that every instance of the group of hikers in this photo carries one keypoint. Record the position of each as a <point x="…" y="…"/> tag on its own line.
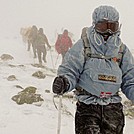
<point x="38" y="40"/>
<point x="97" y="67"/>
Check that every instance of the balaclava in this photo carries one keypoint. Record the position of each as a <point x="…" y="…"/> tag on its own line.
<point x="105" y="13"/>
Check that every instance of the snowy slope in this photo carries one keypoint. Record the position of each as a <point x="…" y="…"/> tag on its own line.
<point x="29" y="118"/>
<point x="26" y="118"/>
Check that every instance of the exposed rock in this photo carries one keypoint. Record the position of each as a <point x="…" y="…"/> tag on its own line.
<point x="38" y="65"/>
<point x="129" y="109"/>
<point x="21" y="66"/>
<point x="11" y="78"/>
<point x="129" y="112"/>
<point x="6" y="57"/>
<point x="10" y="65"/>
<point x="18" y="86"/>
<point x="28" y="96"/>
<point x="47" y="91"/>
<point x="39" y="75"/>
<point x="45" y="67"/>
<point x="29" y="90"/>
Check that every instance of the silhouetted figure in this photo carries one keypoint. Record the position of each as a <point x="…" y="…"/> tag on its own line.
<point x="25" y="36"/>
<point x="41" y="48"/>
<point x="63" y="43"/>
<point x="32" y="38"/>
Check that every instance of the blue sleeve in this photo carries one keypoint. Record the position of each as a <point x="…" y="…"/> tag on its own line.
<point x="127" y="67"/>
<point x="73" y="64"/>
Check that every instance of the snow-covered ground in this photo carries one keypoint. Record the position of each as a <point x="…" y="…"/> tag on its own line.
<point x="30" y="118"/>
<point x="26" y="118"/>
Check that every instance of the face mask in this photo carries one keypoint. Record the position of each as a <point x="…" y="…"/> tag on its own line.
<point x="106" y="35"/>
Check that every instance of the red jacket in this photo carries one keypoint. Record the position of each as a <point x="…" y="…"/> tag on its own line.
<point x="63" y="43"/>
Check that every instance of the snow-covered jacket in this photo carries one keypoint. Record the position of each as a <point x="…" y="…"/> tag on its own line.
<point x="102" y="78"/>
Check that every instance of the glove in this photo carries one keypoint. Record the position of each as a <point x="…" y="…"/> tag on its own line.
<point x="60" y="85"/>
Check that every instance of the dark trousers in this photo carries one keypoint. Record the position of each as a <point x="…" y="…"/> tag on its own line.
<point x="41" y="50"/>
<point x="97" y="119"/>
<point x="34" y="49"/>
<point x="29" y="45"/>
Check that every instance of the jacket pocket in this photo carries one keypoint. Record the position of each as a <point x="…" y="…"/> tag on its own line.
<point x="106" y="76"/>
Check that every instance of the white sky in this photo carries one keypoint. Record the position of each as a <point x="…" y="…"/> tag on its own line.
<point x="53" y="15"/>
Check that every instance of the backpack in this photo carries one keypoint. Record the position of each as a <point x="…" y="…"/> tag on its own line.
<point x="89" y="54"/>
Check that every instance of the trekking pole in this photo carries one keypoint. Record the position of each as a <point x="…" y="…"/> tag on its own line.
<point x="52" y="59"/>
<point x="56" y="60"/>
<point x="59" y="114"/>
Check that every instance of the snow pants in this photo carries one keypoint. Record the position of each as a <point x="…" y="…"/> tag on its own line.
<point x="97" y="119"/>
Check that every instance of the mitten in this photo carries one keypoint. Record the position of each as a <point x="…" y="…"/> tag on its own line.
<point x="60" y="85"/>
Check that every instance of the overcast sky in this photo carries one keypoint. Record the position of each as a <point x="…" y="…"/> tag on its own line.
<point x="53" y="15"/>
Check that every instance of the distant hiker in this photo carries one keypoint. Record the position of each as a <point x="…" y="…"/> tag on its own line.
<point x="32" y="38"/>
<point x="27" y="38"/>
<point x="98" y="66"/>
<point x="63" y="43"/>
<point x="41" y="48"/>
<point x="24" y="32"/>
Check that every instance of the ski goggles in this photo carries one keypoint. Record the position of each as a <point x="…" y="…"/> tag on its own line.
<point x="107" y="26"/>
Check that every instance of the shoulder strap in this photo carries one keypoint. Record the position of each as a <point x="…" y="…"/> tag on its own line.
<point x="120" y="54"/>
<point x="87" y="48"/>
<point x="88" y="53"/>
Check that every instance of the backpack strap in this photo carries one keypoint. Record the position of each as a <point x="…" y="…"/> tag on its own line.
<point x="87" y="48"/>
<point x="120" y="54"/>
<point x="89" y="54"/>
